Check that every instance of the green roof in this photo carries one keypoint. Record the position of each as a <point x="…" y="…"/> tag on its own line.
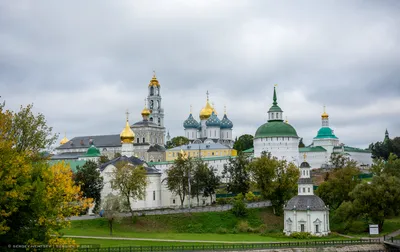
<point x="72" y="163"/>
<point x="312" y="149"/>
<point x="93" y="152"/>
<point x="275" y="108"/>
<point x="325" y="132"/>
<point x="251" y="150"/>
<point x="275" y="129"/>
<point x="203" y="158"/>
<point x="351" y="149"/>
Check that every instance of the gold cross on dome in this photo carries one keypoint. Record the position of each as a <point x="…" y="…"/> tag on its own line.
<point x="207" y="94"/>
<point x="304" y="155"/>
<point x="190" y="109"/>
<point x="127" y="114"/>
<point x="275" y="85"/>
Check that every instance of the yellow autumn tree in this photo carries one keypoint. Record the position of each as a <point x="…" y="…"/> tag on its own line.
<point x="35" y="198"/>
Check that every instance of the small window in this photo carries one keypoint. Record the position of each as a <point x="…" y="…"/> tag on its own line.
<point x="204" y="202"/>
<point x="316" y="228"/>
<point x="137" y="140"/>
<point x="302" y="227"/>
<point x="309" y="189"/>
<point x="277" y="116"/>
<point x="213" y="153"/>
<point x="173" y="201"/>
<point x="272" y="115"/>
<point x="144" y="140"/>
<point x="304" y="189"/>
<point x="154" y="195"/>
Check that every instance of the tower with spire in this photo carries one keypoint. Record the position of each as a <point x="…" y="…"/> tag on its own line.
<point x="276" y="136"/>
<point x="154" y="101"/>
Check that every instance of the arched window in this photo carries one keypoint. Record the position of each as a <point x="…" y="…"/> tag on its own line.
<point x="159" y="121"/>
<point x="277" y="115"/>
<point x="272" y="115"/>
<point x="144" y="140"/>
<point x="151" y="119"/>
<point x="137" y="140"/>
<point x="151" y="90"/>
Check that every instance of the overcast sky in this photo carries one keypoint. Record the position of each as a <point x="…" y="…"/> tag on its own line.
<point x="83" y="63"/>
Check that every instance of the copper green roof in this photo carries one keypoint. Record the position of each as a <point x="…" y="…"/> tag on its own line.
<point x="190" y="123"/>
<point x="312" y="149"/>
<point x="325" y="132"/>
<point x="251" y="150"/>
<point x="93" y="152"/>
<point x="351" y="149"/>
<point x="275" y="129"/>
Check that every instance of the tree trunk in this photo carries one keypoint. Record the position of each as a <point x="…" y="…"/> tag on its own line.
<point x="211" y="199"/>
<point x="198" y="203"/>
<point x="110" y="223"/>
<point x="182" y="198"/>
<point x="130" y="207"/>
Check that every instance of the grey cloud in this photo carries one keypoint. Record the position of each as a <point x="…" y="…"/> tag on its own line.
<point x="342" y="54"/>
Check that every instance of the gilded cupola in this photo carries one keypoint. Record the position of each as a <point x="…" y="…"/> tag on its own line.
<point x="324" y="115"/>
<point x="206" y="112"/>
<point x="127" y="135"/>
<point x="154" y="82"/>
<point x="145" y="112"/>
<point x="64" y="140"/>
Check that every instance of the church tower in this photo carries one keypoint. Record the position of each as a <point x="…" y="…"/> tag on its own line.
<point x="154" y="101"/>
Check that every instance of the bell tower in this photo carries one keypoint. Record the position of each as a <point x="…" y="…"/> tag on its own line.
<point x="154" y="102"/>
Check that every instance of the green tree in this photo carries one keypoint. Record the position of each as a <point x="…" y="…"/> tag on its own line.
<point x="31" y="132"/>
<point x="112" y="206"/>
<point x="130" y="181"/>
<point x="90" y="181"/>
<point x="239" y="206"/>
<point x="339" y="183"/>
<point x="301" y="144"/>
<point x="376" y="201"/>
<point x="212" y="183"/>
<point x="276" y="179"/>
<point x="237" y="175"/>
<point x="243" y="143"/>
<point x="177" y="179"/>
<point x="177" y="141"/>
<point x="117" y="155"/>
<point x="103" y="159"/>
<point x="198" y="179"/>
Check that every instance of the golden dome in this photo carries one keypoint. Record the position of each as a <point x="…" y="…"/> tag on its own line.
<point x="206" y="112"/>
<point x="64" y="140"/>
<point x="324" y="115"/>
<point x="154" y="82"/>
<point x="127" y="135"/>
<point x="146" y="112"/>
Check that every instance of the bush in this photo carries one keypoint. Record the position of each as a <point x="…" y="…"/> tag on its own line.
<point x="301" y="235"/>
<point x="221" y="230"/>
<point x="243" y="226"/>
<point x="223" y="201"/>
<point x="250" y="197"/>
<point x="239" y="207"/>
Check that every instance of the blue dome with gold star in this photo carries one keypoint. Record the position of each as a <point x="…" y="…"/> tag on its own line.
<point x="226" y="123"/>
<point x="191" y="123"/>
<point x="213" y="121"/>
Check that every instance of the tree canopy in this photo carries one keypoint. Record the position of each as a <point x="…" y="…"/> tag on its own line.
<point x="35" y="198"/>
<point x="236" y="174"/>
<point x="243" y="143"/>
<point x="382" y="150"/>
<point x="130" y="181"/>
<point x="91" y="183"/>
<point x="177" y="179"/>
<point x="176" y="141"/>
<point x="340" y="182"/>
<point x="276" y="179"/>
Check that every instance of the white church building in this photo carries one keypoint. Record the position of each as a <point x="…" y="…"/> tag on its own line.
<point x="306" y="212"/>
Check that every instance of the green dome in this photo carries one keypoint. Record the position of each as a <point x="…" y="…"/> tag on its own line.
<point x="275" y="129"/>
<point x="190" y="123"/>
<point x="325" y="132"/>
<point x="93" y="152"/>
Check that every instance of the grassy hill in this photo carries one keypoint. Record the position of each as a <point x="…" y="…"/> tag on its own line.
<point x="257" y="221"/>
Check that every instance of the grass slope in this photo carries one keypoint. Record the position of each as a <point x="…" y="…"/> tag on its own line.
<point x="211" y="226"/>
<point x="211" y="222"/>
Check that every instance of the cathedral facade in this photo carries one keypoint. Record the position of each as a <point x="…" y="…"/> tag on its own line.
<point x="210" y="129"/>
